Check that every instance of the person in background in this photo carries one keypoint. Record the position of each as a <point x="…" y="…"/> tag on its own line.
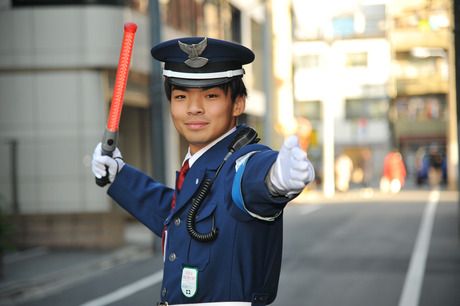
<point x="435" y="168"/>
<point x="343" y="172"/>
<point x="394" y="172"/>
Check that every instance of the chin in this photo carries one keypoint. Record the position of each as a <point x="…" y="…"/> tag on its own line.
<point x="196" y="141"/>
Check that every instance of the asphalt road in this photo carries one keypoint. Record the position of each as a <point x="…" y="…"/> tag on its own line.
<point x="358" y="250"/>
<point x="359" y="254"/>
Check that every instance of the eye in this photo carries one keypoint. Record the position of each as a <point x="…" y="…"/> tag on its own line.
<point x="212" y="96"/>
<point x="179" y="97"/>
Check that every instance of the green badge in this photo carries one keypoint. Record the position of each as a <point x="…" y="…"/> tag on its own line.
<point x="189" y="282"/>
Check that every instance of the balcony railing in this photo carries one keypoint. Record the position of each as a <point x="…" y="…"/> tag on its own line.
<point x="421" y="86"/>
<point x="406" y="39"/>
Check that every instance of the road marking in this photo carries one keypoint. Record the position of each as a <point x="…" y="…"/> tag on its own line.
<point x="126" y="291"/>
<point x="309" y="209"/>
<point x="414" y="278"/>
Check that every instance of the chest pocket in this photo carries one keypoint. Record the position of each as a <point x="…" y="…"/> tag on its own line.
<point x="199" y="253"/>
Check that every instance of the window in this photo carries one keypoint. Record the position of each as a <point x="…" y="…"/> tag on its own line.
<point x="368" y="108"/>
<point x="68" y="2"/>
<point x="421" y="108"/>
<point x="184" y="15"/>
<point x="311" y="110"/>
<point x="236" y="24"/>
<point x="356" y="59"/>
<point x="307" y="61"/>
<point x="343" y="26"/>
<point x="422" y="62"/>
<point x="257" y="44"/>
<point x="375" y="20"/>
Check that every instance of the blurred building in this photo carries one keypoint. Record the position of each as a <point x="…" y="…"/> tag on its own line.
<point x="342" y="62"/>
<point x="57" y="71"/>
<point x="420" y="36"/>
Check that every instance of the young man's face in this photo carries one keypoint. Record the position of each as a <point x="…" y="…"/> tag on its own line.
<point x="203" y="115"/>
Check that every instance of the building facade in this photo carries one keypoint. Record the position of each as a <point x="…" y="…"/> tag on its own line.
<point x="420" y="37"/>
<point x="57" y="71"/>
<point x="341" y="78"/>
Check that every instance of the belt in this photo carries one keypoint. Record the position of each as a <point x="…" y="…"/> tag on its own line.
<point x="209" y="304"/>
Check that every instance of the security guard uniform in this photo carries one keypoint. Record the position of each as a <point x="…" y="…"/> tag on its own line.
<point x="243" y="263"/>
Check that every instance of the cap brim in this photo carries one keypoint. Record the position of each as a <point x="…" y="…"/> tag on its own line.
<point x="200" y="82"/>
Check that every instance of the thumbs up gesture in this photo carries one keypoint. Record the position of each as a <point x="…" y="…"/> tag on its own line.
<point x="291" y="171"/>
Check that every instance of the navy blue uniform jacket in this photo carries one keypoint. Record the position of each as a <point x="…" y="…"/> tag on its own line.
<point x="243" y="263"/>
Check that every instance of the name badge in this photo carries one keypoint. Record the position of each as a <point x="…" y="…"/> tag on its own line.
<point x="189" y="282"/>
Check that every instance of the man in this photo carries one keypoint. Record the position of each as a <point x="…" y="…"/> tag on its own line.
<point x="222" y="225"/>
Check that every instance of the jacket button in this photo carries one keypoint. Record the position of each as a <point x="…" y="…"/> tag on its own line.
<point x="172" y="257"/>
<point x="163" y="292"/>
<point x="177" y="221"/>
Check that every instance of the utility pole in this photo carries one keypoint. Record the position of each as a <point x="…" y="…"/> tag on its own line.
<point x="157" y="103"/>
<point x="456" y="34"/>
<point x="267" y="77"/>
<point x="157" y="106"/>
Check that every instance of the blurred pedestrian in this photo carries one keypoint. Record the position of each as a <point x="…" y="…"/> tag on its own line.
<point x="343" y="171"/>
<point x="422" y="165"/>
<point x="435" y="171"/>
<point x="222" y="224"/>
<point x="394" y="173"/>
<point x="366" y="165"/>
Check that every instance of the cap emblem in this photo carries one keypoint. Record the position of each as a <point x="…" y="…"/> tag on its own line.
<point x="194" y="51"/>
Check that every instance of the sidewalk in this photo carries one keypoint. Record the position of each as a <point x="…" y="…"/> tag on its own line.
<point x="373" y="194"/>
<point x="37" y="272"/>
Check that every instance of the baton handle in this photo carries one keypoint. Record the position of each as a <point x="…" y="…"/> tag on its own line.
<point x="109" y="143"/>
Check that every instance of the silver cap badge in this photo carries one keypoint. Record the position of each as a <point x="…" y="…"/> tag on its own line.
<point x="194" y="51"/>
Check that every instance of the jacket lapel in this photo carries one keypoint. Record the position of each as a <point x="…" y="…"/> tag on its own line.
<point x="204" y="167"/>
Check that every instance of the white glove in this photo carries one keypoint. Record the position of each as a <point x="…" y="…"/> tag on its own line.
<point x="291" y="171"/>
<point x="100" y="162"/>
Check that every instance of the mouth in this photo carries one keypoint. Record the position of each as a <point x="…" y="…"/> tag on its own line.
<point x="196" y="125"/>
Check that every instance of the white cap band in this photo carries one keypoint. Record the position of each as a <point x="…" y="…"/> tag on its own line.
<point x="203" y="76"/>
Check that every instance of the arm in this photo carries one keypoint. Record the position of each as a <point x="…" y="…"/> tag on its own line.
<point x="266" y="181"/>
<point x="147" y="200"/>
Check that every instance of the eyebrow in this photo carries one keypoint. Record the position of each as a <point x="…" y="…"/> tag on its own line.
<point x="175" y="87"/>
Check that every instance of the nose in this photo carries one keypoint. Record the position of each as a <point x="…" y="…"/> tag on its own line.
<point x="195" y="105"/>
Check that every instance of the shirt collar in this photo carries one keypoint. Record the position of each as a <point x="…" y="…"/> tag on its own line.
<point x="192" y="158"/>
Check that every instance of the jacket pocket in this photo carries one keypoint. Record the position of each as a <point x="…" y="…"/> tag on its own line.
<point x="199" y="253"/>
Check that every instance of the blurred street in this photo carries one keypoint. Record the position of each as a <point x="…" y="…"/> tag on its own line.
<point x="358" y="248"/>
<point x="370" y="88"/>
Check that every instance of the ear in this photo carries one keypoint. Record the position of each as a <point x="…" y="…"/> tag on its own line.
<point x="239" y="106"/>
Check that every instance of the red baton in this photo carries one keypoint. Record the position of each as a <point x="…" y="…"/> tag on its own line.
<point x="109" y="140"/>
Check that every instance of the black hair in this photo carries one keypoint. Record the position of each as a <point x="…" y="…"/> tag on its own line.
<point x="235" y="85"/>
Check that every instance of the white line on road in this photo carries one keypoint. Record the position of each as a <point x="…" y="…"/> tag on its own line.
<point x="414" y="278"/>
<point x="126" y="291"/>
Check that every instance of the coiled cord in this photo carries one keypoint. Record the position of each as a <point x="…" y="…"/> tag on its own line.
<point x="196" y="203"/>
<point x="245" y="136"/>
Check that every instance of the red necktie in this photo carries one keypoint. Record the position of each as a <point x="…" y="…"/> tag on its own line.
<point x="179" y="182"/>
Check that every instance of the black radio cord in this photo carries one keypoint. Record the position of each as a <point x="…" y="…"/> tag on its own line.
<point x="196" y="203"/>
<point x="246" y="136"/>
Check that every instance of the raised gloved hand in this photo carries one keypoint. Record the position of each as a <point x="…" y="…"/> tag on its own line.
<point x="291" y="171"/>
<point x="101" y="163"/>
